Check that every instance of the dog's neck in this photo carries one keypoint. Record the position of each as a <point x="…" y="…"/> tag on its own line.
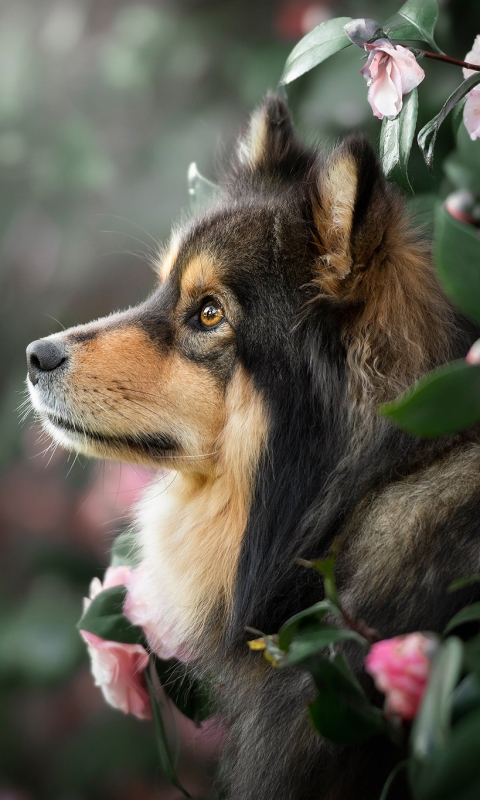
<point x="191" y="525"/>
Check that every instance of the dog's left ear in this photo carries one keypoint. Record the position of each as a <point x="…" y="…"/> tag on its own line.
<point x="351" y="209"/>
<point x="269" y="149"/>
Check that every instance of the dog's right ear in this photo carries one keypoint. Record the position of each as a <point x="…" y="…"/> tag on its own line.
<point x="269" y="149"/>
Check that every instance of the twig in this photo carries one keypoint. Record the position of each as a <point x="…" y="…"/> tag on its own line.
<point x="450" y="60"/>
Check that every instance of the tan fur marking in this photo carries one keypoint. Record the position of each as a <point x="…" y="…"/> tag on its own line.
<point x="121" y="385"/>
<point x="191" y="532"/>
<point x="252" y="148"/>
<point x="403" y="324"/>
<point x="398" y="323"/>
<point x="200" y="275"/>
<point x="333" y="217"/>
<point x="167" y="260"/>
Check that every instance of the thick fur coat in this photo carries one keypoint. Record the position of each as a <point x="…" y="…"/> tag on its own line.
<point x="284" y="315"/>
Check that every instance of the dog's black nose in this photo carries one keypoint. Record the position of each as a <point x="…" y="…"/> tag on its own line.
<point x="44" y="355"/>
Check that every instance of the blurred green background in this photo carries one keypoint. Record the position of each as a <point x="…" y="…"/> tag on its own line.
<point x="103" y="105"/>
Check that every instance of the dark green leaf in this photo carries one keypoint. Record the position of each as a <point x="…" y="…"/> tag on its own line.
<point x="444" y="401"/>
<point x="305" y="618"/>
<point x="465" y="698"/>
<point x="472" y="656"/>
<point x="454" y="774"/>
<point x="468" y="614"/>
<point x="104" y="617"/>
<point x="312" y="641"/>
<point x="461" y="582"/>
<point x="457" y="117"/>
<point x="166" y="762"/>
<point x="391" y="778"/>
<point x="201" y="191"/>
<point x="427" y="136"/>
<point x="190" y="695"/>
<point x="431" y="726"/>
<point x="325" y="40"/>
<point x="341" y="712"/>
<point x="362" y="30"/>
<point x="396" y="141"/>
<point x="415" y="21"/>
<point x="326" y="567"/>
<point x="457" y="259"/>
<point x="125" y="550"/>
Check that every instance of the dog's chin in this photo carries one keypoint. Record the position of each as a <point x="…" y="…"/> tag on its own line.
<point x="151" y="449"/>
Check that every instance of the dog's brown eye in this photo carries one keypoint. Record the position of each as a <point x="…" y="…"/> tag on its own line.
<point x="211" y="314"/>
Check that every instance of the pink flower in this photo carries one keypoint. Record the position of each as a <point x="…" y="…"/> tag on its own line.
<point x="400" y="668"/>
<point x="118" y="671"/>
<point x="160" y="626"/>
<point x="391" y="72"/>
<point x="114" y="576"/>
<point x="473" y="355"/>
<point x="471" y="111"/>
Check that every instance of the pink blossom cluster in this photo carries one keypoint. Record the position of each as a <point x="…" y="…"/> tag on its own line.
<point x="400" y="668"/>
<point x="118" y="668"/>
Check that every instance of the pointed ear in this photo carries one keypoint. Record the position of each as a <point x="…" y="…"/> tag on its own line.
<point x="269" y="147"/>
<point x="351" y="209"/>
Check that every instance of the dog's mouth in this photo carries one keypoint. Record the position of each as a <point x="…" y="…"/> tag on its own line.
<point x="155" y="445"/>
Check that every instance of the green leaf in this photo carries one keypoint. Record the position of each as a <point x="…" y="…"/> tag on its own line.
<point x="472" y="656"/>
<point x="391" y="778"/>
<point x="396" y="141"/>
<point x="166" y="762"/>
<point x="468" y="614"/>
<point x="454" y="773"/>
<point x="201" y="191"/>
<point x="445" y="401"/>
<point x="461" y="582"/>
<point x="305" y="618"/>
<point x="431" y="726"/>
<point x="104" y="617"/>
<point x="326" y="567"/>
<point x="428" y="135"/>
<point x="457" y="260"/>
<point x="465" y="698"/>
<point x="341" y="712"/>
<point x="125" y="551"/>
<point x="415" y="20"/>
<point x="314" y="640"/>
<point x="318" y="45"/>
<point x="190" y="695"/>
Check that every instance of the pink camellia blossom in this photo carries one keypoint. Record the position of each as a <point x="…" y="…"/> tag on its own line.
<point x="114" y="576"/>
<point x="160" y="626"/>
<point x="471" y="111"/>
<point x="391" y="72"/>
<point x="400" y="668"/>
<point x="473" y="355"/>
<point x="118" y="671"/>
<point x="118" y="667"/>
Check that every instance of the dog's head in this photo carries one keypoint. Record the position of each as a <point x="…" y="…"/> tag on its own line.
<point x="302" y="278"/>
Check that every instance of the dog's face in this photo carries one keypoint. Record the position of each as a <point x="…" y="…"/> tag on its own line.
<point x="296" y="245"/>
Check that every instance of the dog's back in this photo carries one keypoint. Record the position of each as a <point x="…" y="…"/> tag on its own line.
<point x="284" y="315"/>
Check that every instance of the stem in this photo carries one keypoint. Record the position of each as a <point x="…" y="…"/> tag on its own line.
<point x="450" y="60"/>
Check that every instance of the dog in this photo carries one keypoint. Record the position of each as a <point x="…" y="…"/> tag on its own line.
<point x="284" y="314"/>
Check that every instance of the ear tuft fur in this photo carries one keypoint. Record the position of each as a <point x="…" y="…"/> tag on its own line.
<point x="350" y="190"/>
<point x="270" y="148"/>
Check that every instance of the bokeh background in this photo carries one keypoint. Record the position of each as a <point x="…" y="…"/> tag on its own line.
<point x="103" y="105"/>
